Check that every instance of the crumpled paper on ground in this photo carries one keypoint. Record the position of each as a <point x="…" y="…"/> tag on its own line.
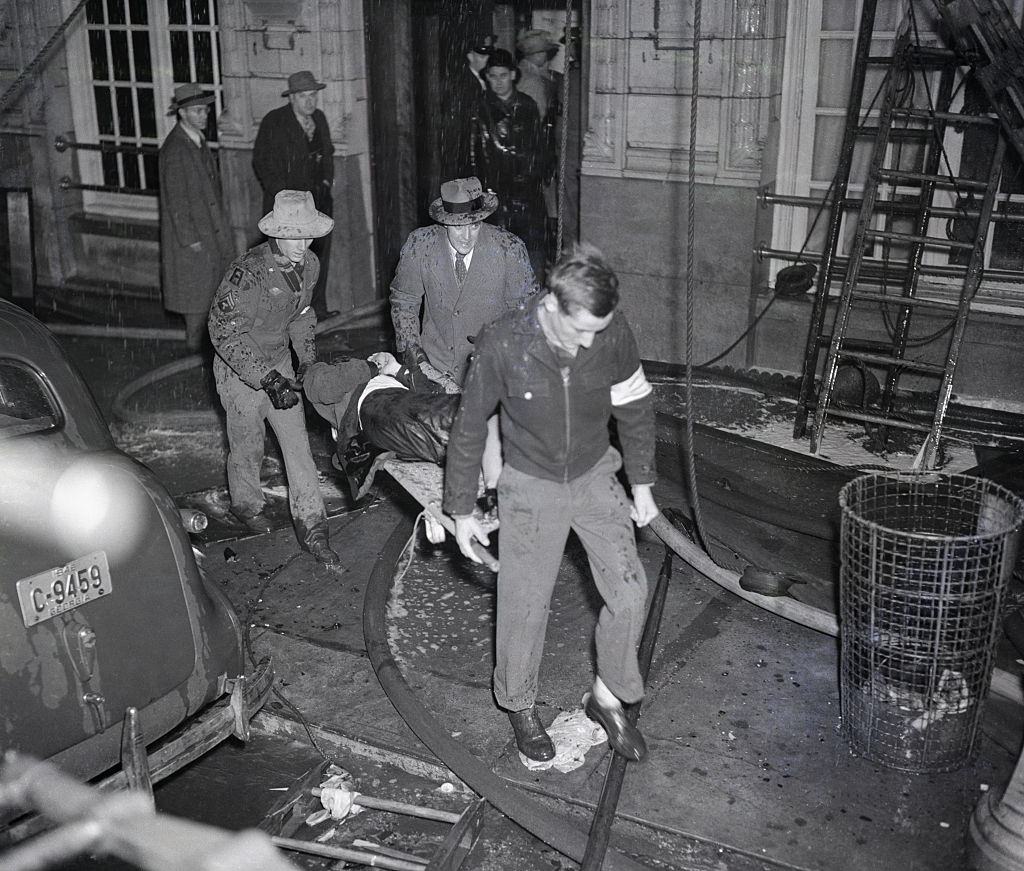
<point x="573" y="733"/>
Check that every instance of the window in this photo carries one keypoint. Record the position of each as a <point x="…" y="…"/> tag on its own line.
<point x="124" y="60"/>
<point x="821" y="35"/>
<point x="25" y="403"/>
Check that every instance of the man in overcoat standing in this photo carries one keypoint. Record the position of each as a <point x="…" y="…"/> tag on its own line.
<point x="293" y="151"/>
<point x="195" y="238"/>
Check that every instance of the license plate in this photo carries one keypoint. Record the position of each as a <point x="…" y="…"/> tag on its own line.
<point x="63" y="589"/>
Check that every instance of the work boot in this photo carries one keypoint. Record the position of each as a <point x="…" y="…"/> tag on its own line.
<point x="317" y="543"/>
<point x="254" y="521"/>
<point x="360" y="463"/>
<point x="624" y="738"/>
<point x="532" y="738"/>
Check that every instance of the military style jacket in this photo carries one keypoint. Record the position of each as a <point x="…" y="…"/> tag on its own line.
<point x="554" y="415"/>
<point x="262" y="304"/>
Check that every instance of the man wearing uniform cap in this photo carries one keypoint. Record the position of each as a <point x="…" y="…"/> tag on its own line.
<point x="261" y="307"/>
<point x="458" y="105"/>
<point x="294" y="151"/>
<point x="195" y="236"/>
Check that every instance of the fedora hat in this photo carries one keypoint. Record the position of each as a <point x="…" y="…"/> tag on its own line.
<point x="531" y="41"/>
<point x="302" y="81"/>
<point x="463" y="201"/>
<point x="482" y="42"/>
<point x="295" y="217"/>
<point x="191" y="94"/>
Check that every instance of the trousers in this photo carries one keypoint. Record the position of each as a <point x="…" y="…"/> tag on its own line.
<point x="247" y="412"/>
<point x="536" y="517"/>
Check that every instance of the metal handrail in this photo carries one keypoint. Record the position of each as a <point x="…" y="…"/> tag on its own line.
<point x="62" y="143"/>
<point x="766" y="199"/>
<point x="67" y="183"/>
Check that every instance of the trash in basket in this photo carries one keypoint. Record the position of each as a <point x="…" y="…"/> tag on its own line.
<point x="925" y="563"/>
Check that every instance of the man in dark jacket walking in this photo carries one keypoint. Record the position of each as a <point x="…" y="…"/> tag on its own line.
<point x="195" y="237"/>
<point x="293" y="151"/>
<point x="559" y="370"/>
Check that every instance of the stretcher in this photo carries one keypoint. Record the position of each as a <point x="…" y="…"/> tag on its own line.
<point x="425" y="483"/>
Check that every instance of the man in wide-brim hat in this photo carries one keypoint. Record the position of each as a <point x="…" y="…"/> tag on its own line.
<point x="294" y="151"/>
<point x="195" y="237"/>
<point x="463" y="272"/>
<point x="260" y="314"/>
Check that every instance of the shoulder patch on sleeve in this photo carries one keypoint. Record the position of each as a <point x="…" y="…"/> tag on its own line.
<point x="227" y="300"/>
<point x="236" y="276"/>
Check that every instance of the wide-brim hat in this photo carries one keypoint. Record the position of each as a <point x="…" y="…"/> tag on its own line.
<point x="531" y="41"/>
<point x="295" y="217"/>
<point x="191" y="94"/>
<point x="463" y="201"/>
<point x="302" y="81"/>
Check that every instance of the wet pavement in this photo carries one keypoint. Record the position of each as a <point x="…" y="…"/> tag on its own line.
<point x="747" y="766"/>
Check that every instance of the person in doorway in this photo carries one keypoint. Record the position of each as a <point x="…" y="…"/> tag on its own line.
<point x="458" y="106"/>
<point x="195" y="236"/>
<point x="508" y="153"/>
<point x="559" y="370"/>
<point x="294" y="151"/>
<point x="260" y="313"/>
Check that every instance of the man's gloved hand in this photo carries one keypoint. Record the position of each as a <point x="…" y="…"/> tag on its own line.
<point x="413" y="356"/>
<point x="280" y="390"/>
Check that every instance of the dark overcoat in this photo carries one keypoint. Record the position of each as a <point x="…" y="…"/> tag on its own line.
<point x="283" y="159"/>
<point x="191" y="210"/>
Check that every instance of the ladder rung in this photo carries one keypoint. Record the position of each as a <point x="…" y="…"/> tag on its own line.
<point x="898" y="132"/>
<point x="955" y="117"/>
<point x="903" y="300"/>
<point x="885" y="360"/>
<point x="974" y="184"/>
<point x="925" y="240"/>
<point x="832" y="411"/>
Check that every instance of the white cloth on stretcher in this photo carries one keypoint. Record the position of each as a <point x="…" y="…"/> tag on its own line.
<point x="378" y="382"/>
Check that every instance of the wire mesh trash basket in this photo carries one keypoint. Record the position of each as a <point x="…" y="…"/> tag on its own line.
<point x="925" y="563"/>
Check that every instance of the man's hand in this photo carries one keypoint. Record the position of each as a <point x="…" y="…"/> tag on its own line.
<point x="280" y="390"/>
<point x="467" y="530"/>
<point x="643" y="510"/>
<point x="413" y="356"/>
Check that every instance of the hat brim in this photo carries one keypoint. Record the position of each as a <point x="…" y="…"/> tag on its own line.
<point x="317" y="86"/>
<point x="449" y="219"/>
<point x="319" y="226"/>
<point x="204" y="100"/>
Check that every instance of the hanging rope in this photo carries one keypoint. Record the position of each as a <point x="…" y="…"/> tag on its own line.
<point x="567" y="60"/>
<point x="691" y="209"/>
<point x="15" y="87"/>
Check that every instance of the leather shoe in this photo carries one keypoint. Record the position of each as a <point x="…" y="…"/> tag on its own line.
<point x="532" y="739"/>
<point x="320" y="548"/>
<point x="361" y="462"/>
<point x="255" y="521"/>
<point x="623" y="736"/>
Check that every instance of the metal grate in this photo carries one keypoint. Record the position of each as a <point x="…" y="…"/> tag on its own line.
<point x="925" y="563"/>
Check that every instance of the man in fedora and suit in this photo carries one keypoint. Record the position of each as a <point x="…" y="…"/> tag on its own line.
<point x="260" y="309"/>
<point x="462" y="272"/>
<point x="293" y="151"/>
<point x="195" y="237"/>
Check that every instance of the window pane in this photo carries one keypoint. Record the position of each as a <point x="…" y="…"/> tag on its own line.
<point x="25" y="404"/>
<point x="176" y="11"/>
<point x="181" y="70"/>
<point x="98" y="53"/>
<point x="200" y="12"/>
<point x="132" y="178"/>
<point x="204" y="58"/>
<point x="834" y="91"/>
<point x="104" y="111"/>
<point x="152" y="172"/>
<point x="147" y="112"/>
<point x="119" y="55"/>
<point x="125" y="112"/>
<point x="115" y="12"/>
<point x="110" y="175"/>
<point x="143" y="63"/>
<point x="839" y="15"/>
<point x="140" y="14"/>
<point x="94" y="12"/>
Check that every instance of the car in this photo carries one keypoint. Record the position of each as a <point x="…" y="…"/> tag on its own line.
<point x="107" y="625"/>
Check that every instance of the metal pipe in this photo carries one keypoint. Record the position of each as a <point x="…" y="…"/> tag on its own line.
<point x="62" y="143"/>
<point x="766" y="199"/>
<point x="66" y="184"/>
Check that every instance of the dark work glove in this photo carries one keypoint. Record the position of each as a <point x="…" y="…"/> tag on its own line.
<point x="280" y="390"/>
<point x="413" y="356"/>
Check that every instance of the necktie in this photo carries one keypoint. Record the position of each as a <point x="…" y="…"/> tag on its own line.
<point x="460" y="268"/>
